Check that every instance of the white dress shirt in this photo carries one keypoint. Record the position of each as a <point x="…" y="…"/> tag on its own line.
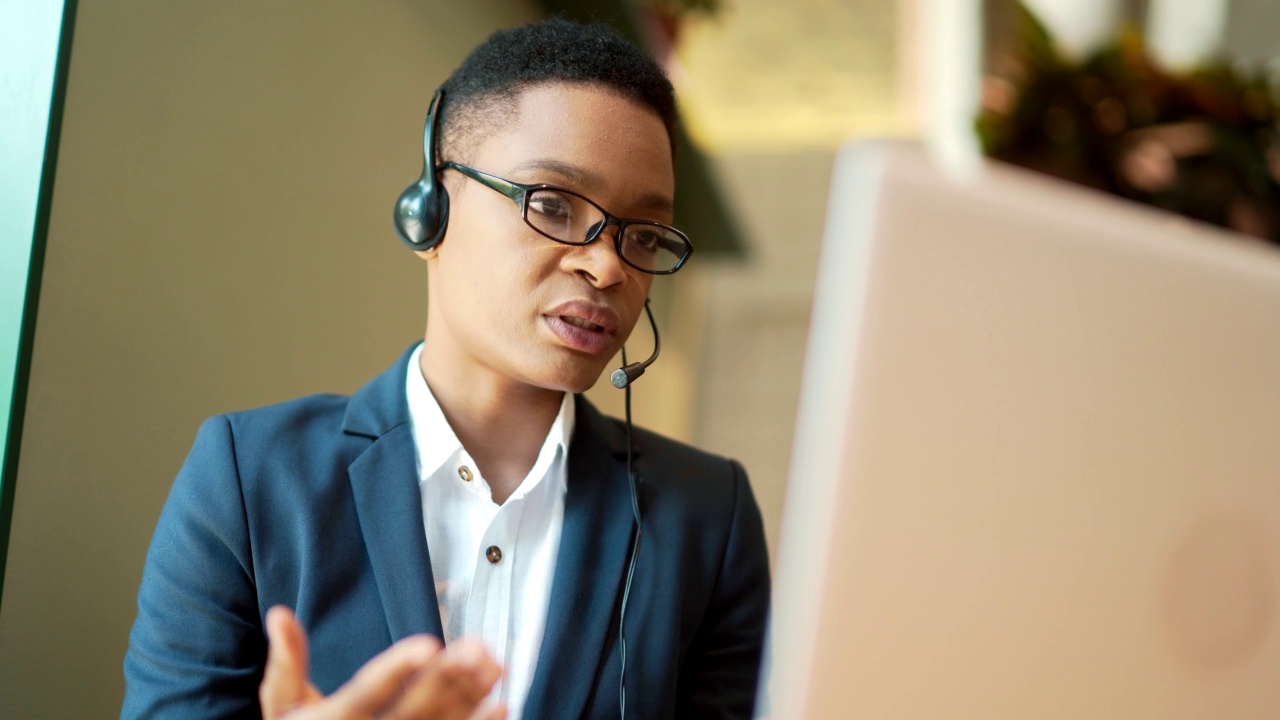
<point x="492" y="564"/>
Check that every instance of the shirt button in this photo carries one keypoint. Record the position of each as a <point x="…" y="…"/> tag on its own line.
<point x="494" y="553"/>
<point x="464" y="472"/>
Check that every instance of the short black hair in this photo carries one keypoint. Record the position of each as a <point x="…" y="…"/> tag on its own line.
<point x="485" y="87"/>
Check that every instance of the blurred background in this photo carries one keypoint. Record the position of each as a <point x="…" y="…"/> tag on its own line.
<point x="219" y="232"/>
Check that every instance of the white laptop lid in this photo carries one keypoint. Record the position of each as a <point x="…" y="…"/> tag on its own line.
<point x="1037" y="466"/>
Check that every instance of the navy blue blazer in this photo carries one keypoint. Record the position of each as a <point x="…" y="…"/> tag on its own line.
<point x="314" y="504"/>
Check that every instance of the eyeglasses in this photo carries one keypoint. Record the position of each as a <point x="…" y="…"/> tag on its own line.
<point x="569" y="218"/>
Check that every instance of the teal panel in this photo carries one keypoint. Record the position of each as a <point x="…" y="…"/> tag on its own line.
<point x="34" y="49"/>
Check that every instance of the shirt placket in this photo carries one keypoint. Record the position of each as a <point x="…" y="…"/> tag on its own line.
<point x="488" y="608"/>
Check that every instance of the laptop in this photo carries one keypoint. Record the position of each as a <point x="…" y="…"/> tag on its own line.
<point x="1036" y="471"/>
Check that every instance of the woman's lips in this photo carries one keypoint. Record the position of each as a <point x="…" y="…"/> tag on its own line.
<point x="582" y="323"/>
<point x="596" y="341"/>
<point x="584" y="326"/>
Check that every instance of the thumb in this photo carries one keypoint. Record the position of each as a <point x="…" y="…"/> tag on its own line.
<point x="284" y="682"/>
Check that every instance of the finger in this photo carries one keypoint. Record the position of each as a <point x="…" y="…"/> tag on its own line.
<point x="284" y="681"/>
<point x="453" y="687"/>
<point x="382" y="680"/>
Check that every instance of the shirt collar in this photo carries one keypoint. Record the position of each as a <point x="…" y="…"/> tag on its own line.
<point x="435" y="442"/>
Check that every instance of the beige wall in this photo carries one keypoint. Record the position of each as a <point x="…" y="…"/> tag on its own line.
<point x="220" y="239"/>
<point x="757" y="318"/>
<point x="772" y="89"/>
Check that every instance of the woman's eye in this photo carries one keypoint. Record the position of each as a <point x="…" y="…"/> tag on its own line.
<point x="552" y="207"/>
<point x="647" y="240"/>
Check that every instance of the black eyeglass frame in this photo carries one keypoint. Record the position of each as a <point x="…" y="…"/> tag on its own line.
<point x="519" y="194"/>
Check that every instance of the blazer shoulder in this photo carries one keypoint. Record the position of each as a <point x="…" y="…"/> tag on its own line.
<point x="677" y="476"/>
<point x="656" y="451"/>
<point x="667" y="454"/>
<point x="292" y="415"/>
<point x="303" y="437"/>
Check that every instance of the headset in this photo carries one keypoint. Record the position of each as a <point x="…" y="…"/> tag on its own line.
<point x="622" y="379"/>
<point x="421" y="216"/>
<point x="422" y="210"/>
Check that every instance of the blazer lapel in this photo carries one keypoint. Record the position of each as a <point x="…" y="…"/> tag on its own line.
<point x="590" y="570"/>
<point x="590" y="564"/>
<point x="384" y="483"/>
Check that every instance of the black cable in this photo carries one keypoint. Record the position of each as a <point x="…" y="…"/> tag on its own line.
<point x="631" y="567"/>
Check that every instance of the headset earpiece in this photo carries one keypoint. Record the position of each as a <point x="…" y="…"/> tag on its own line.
<point x="421" y="214"/>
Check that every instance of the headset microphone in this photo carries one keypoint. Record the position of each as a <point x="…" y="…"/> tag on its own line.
<point x="622" y="379"/>
<point x="627" y="374"/>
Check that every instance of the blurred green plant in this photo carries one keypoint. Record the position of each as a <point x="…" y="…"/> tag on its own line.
<point x="1204" y="144"/>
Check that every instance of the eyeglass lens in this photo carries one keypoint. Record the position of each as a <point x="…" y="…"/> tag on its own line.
<point x="571" y="219"/>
